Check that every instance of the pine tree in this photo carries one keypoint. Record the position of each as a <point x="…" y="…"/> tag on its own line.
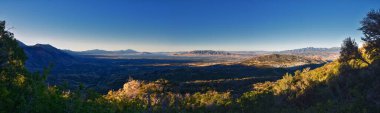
<point x="371" y="30"/>
<point x="350" y="51"/>
<point x="13" y="78"/>
<point x="20" y="91"/>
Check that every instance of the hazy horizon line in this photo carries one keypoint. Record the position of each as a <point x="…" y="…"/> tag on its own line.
<point x="174" y="50"/>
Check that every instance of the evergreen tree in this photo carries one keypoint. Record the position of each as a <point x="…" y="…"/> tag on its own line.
<point x="350" y="51"/>
<point x="371" y="30"/>
<point x="12" y="73"/>
<point x="20" y="91"/>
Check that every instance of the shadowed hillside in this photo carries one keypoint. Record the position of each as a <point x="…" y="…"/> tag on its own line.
<point x="42" y="55"/>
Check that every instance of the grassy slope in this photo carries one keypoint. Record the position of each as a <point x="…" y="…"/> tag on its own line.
<point x="335" y="87"/>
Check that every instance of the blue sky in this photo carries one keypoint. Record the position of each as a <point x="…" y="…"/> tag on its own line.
<point x="180" y="25"/>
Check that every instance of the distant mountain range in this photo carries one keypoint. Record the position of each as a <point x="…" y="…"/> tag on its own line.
<point x="42" y="55"/>
<point x="281" y="60"/>
<point x="105" y="52"/>
<point x="204" y="53"/>
<point x="311" y="52"/>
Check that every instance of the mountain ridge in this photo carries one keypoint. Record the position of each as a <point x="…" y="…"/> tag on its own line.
<point x="42" y="55"/>
<point x="107" y="52"/>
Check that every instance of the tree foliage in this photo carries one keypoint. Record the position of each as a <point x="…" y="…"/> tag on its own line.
<point x="371" y="30"/>
<point x="350" y="51"/>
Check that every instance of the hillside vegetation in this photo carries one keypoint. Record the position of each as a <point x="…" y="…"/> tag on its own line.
<point x="348" y="85"/>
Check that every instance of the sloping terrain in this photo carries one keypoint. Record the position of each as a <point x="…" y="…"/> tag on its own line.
<point x="42" y="55"/>
<point x="280" y="60"/>
<point x="311" y="52"/>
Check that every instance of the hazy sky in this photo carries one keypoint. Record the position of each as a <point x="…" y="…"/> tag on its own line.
<point x="178" y="25"/>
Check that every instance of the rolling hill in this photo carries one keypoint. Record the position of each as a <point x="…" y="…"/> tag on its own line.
<point x="42" y="55"/>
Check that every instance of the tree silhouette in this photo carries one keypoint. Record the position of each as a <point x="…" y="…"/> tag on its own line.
<point x="371" y="30"/>
<point x="349" y="51"/>
<point x="12" y="60"/>
<point x="20" y="91"/>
